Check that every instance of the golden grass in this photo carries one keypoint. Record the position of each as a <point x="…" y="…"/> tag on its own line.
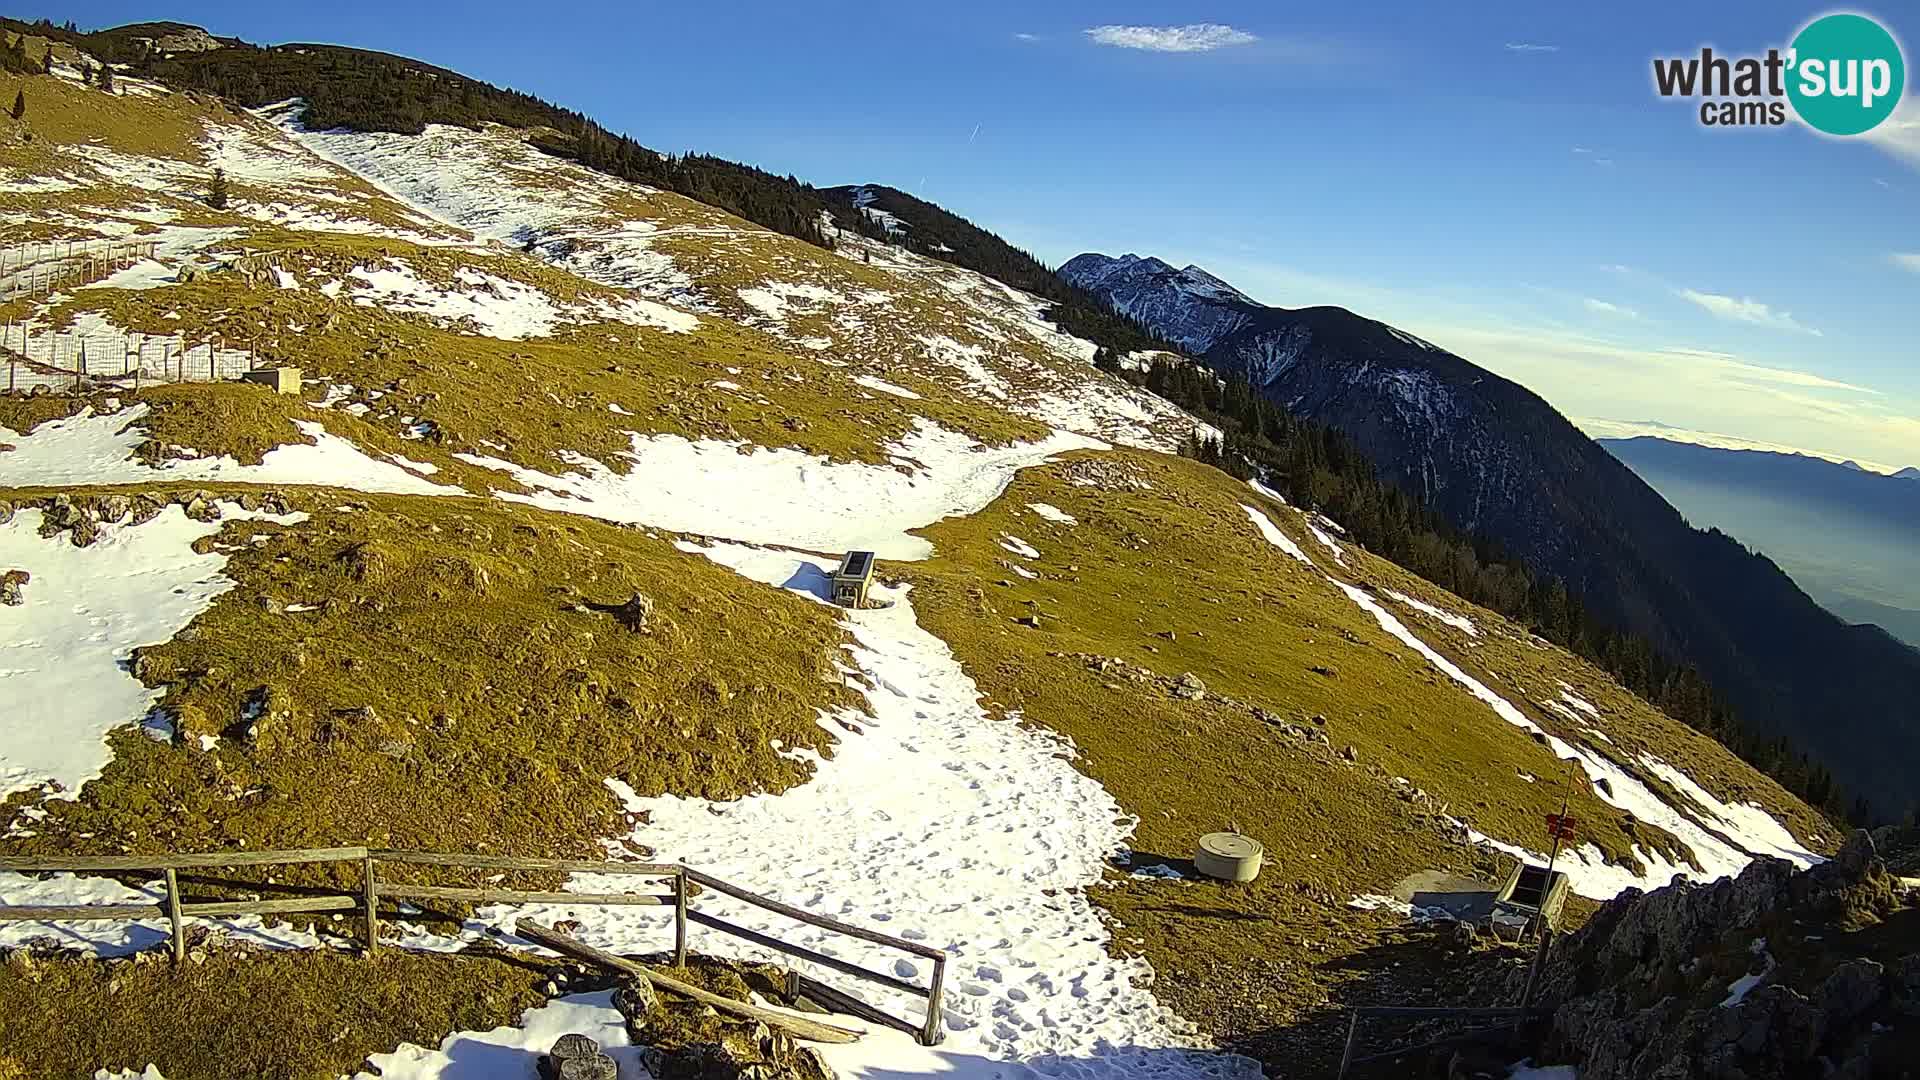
<point x="449" y="692"/>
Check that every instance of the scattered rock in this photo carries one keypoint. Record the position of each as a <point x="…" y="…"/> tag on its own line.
<point x="114" y="509"/>
<point x="1328" y="670"/>
<point x="1858" y="853"/>
<point x="86" y="532"/>
<point x="6" y="511"/>
<point x="634" y="613"/>
<point x="635" y="999"/>
<point x="13" y="585"/>
<point x="1637" y="991"/>
<point x="200" y="506"/>
<point x="1348" y="753"/>
<point x="1189" y="687"/>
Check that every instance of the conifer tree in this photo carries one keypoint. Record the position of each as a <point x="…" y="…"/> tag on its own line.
<point x="19" y="104"/>
<point x="106" y="78"/>
<point x="217" y="193"/>
<point x="86" y="74"/>
<point x="46" y="62"/>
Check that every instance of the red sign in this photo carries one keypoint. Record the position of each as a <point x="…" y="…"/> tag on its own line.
<point x="1561" y="826"/>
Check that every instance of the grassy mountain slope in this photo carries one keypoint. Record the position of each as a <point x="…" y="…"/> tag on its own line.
<point x="534" y="389"/>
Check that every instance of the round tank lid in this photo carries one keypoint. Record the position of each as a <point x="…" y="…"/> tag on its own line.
<point x="1229" y="845"/>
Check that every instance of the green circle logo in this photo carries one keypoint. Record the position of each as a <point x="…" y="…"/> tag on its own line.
<point x="1845" y="74"/>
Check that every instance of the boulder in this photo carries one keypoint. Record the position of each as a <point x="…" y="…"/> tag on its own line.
<point x="634" y="612"/>
<point x="1851" y="990"/>
<point x="114" y="509"/>
<point x="1188" y="687"/>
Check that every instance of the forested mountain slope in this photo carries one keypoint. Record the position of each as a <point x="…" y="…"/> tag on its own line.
<point x="1498" y="460"/>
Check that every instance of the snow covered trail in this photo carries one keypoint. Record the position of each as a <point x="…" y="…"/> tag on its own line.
<point x="939" y="824"/>
<point x="1722" y="846"/>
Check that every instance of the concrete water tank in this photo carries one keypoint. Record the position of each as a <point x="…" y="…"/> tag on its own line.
<point x="1228" y="856"/>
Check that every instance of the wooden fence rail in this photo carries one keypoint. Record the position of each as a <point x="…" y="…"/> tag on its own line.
<point x="41" y="269"/>
<point x="682" y="881"/>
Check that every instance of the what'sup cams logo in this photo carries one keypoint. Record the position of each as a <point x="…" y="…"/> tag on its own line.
<point x="1843" y="75"/>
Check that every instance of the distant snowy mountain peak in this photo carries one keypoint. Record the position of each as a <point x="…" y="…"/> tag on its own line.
<point x="1908" y="473"/>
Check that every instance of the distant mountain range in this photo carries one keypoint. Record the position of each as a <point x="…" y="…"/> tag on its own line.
<point x="1846" y="534"/>
<point x="1498" y="460"/>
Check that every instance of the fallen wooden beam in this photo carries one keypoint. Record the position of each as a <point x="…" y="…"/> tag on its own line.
<point x="798" y="1027"/>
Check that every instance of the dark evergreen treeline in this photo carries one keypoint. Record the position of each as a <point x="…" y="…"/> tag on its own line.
<point x="1317" y="467"/>
<point x="940" y="234"/>
<point x="371" y="91"/>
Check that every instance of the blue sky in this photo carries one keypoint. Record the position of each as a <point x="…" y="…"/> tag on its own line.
<point x="1498" y="178"/>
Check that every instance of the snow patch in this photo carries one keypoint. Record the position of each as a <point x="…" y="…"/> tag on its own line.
<point x="787" y="497"/>
<point x="64" y="652"/>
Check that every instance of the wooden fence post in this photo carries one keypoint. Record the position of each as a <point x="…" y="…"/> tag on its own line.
<point x="373" y="908"/>
<point x="1346" y="1056"/>
<point x="173" y="916"/>
<point x="930" y="1035"/>
<point x="680" y="917"/>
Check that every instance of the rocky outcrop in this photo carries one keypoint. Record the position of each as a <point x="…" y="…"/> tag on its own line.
<point x="1738" y="979"/>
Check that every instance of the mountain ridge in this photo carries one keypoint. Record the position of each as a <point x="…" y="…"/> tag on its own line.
<point x="1499" y="460"/>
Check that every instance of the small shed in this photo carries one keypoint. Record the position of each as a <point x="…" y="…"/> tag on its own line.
<point x="1533" y="892"/>
<point x="283" y="380"/>
<point x="851" y="581"/>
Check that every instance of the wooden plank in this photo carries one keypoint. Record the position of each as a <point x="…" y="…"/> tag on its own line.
<point x="1496" y="1012"/>
<point x="40" y="913"/>
<point x="823" y="921"/>
<point x="272" y="907"/>
<point x="516" y="896"/>
<point x="931" y="1035"/>
<point x="509" y="862"/>
<point x="371" y="885"/>
<point x="177" y="932"/>
<point x="680" y="918"/>
<point x="844" y="967"/>
<point x="98" y="863"/>
<point x="841" y="1002"/>
<point x="799" y="1027"/>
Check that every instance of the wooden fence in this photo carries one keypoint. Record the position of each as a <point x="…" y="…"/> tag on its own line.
<point x="40" y="269"/>
<point x="682" y="881"/>
<point x="62" y="360"/>
<point x="1501" y="1020"/>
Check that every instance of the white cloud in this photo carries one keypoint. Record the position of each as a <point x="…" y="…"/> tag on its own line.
<point x="1906" y="260"/>
<point x="1196" y="37"/>
<point x="1023" y="36"/>
<point x="1601" y="307"/>
<point x="1746" y="310"/>
<point x="1528" y="46"/>
<point x="1582" y="150"/>
<point x="1899" y="134"/>
<point x="1701" y="389"/>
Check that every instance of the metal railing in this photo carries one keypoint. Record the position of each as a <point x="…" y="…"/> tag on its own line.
<point x="375" y="887"/>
